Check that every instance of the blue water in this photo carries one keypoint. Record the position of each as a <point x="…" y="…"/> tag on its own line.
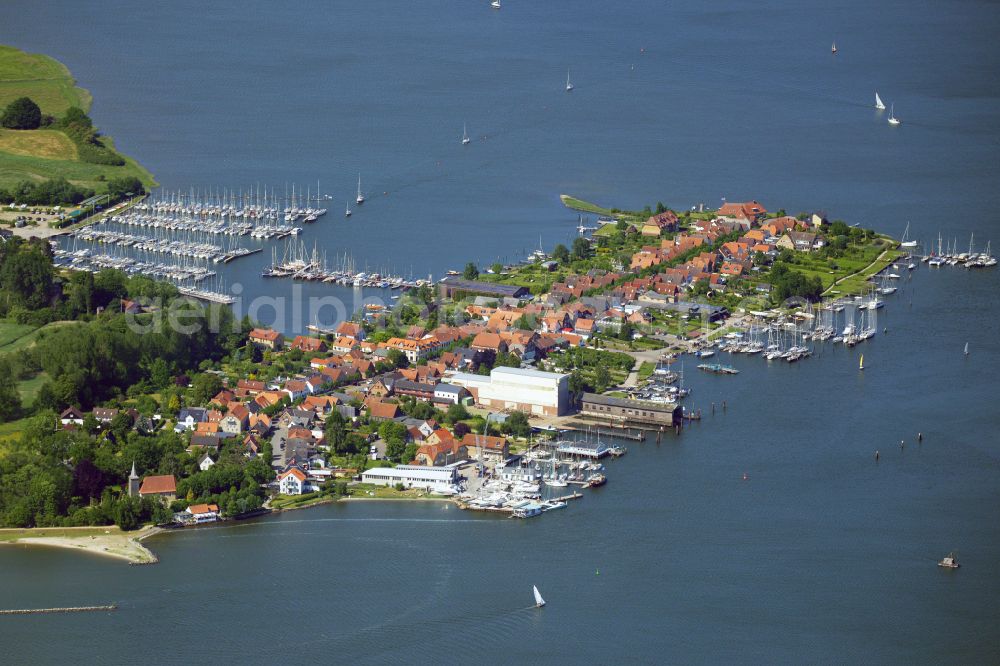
<point x="821" y="556"/>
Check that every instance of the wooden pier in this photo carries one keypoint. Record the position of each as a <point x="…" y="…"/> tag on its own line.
<point x="69" y="609"/>
<point x="635" y="435"/>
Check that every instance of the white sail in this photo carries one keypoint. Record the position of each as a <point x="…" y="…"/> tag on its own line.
<point x="878" y="102"/>
<point x="893" y="120"/>
<point x="569" y="86"/>
<point x="361" y="197"/>
<point x="966" y="348"/>
<point x="538" y="597"/>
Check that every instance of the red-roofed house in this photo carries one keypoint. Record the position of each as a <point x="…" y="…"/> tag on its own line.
<point x="265" y="337"/>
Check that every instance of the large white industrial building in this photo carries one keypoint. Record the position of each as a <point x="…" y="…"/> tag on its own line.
<point x="532" y="391"/>
<point x="442" y="480"/>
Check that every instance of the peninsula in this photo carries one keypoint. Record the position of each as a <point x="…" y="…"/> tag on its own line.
<point x="52" y="158"/>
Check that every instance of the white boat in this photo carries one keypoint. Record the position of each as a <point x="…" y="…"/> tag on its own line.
<point x="495" y="4"/>
<point x="833" y="48"/>
<point x="465" y="136"/>
<point x="893" y="120"/>
<point x="361" y="197"/>
<point x="966" y="348"/>
<point x="948" y="563"/>
<point x="347" y="213"/>
<point x="569" y="86"/>
<point x="539" y="602"/>
<point x="878" y="102"/>
<point x="556" y="483"/>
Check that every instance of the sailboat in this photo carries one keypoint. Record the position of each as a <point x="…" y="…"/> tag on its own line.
<point x="878" y="102"/>
<point x="861" y="363"/>
<point x="569" y="86"/>
<point x="347" y="213"/>
<point x="833" y="49"/>
<point x="495" y="4"/>
<point x="361" y="197"/>
<point x="893" y="120"/>
<point x="539" y="602"/>
<point x="465" y="135"/>
<point x="966" y="348"/>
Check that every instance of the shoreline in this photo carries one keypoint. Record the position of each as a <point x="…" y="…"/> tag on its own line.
<point x="108" y="541"/>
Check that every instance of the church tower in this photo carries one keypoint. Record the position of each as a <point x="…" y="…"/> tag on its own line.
<point x="133" y="482"/>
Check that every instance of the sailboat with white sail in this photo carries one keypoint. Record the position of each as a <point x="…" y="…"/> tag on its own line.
<point x="878" y="102"/>
<point x="893" y="120"/>
<point x="361" y="197"/>
<point x="539" y="602"/>
<point x="465" y="136"/>
<point x="569" y="86"/>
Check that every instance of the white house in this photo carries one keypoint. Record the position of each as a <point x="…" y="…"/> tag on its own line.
<point x="189" y="418"/>
<point x="448" y="393"/>
<point x="205" y="462"/>
<point x="292" y="482"/>
<point x="203" y="513"/>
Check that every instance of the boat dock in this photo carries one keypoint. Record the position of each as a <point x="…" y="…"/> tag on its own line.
<point x="68" y="609"/>
<point x="635" y="435"/>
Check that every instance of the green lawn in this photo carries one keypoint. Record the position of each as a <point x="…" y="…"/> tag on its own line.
<point x="646" y="370"/>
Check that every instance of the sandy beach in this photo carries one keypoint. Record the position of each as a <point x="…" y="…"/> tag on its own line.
<point x="108" y="541"/>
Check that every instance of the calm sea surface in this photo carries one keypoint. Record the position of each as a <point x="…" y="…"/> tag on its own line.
<point x="821" y="556"/>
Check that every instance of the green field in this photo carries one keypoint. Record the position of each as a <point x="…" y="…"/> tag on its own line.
<point x="45" y="80"/>
<point x="36" y="155"/>
<point x="14" y="337"/>
<point x="28" y="388"/>
<point x="584" y="206"/>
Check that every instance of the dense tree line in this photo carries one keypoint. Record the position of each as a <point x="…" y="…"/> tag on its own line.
<point x="78" y="126"/>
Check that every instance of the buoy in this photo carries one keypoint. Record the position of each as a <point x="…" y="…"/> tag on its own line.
<point x="876" y="456"/>
<point x="900" y="443"/>
<point x="920" y="436"/>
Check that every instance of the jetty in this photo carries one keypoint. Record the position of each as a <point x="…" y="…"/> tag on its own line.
<point x="67" y="609"/>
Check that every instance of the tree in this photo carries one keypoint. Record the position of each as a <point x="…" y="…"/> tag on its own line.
<point x="461" y="429"/>
<point x="395" y="450"/>
<point x="10" y="398"/>
<point x="205" y="386"/>
<point x="602" y="378"/>
<point x="470" y="272"/>
<point x="517" y="424"/>
<point x="22" y="114"/>
<point x="497" y="268"/>
<point x="27" y="277"/>
<point x="397" y="358"/>
<point x="456" y="413"/>
<point x="392" y="431"/>
<point x="335" y="432"/>
<point x="581" y="248"/>
<point x="409" y="453"/>
<point x="561" y="253"/>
